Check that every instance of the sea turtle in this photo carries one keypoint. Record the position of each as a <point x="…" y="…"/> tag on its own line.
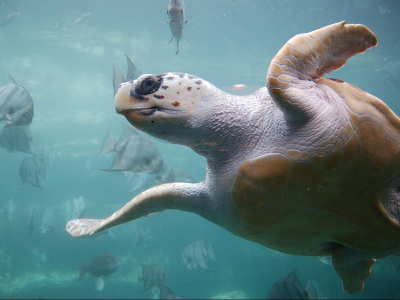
<point x="307" y="166"/>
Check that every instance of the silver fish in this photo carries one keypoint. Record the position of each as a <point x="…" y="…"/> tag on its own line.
<point x="80" y="19"/>
<point x="141" y="235"/>
<point x="48" y="221"/>
<point x="176" y="20"/>
<point x="197" y="255"/>
<point x="31" y="223"/>
<point x="152" y="275"/>
<point x="291" y="288"/>
<point x="133" y="152"/>
<point x="166" y="293"/>
<point x="16" y="105"/>
<point x="142" y="181"/>
<point x="132" y="74"/>
<point x="79" y="208"/>
<point x="101" y="266"/>
<point x="11" y="209"/>
<point x="16" y="138"/>
<point x="29" y="171"/>
<point x="9" y="18"/>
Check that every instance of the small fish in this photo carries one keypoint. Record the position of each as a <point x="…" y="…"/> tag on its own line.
<point x="59" y="25"/>
<point x="80" y="19"/>
<point x="9" y="18"/>
<point x="132" y="74"/>
<point x="152" y="275"/>
<point x="16" y="138"/>
<point x="141" y="235"/>
<point x="29" y="171"/>
<point x="40" y="255"/>
<point x="48" y="221"/>
<point x="291" y="288"/>
<point x="166" y="293"/>
<point x="31" y="223"/>
<point x="176" y="20"/>
<point x="79" y="208"/>
<point x="100" y="267"/>
<point x="16" y="105"/>
<point x="11" y="209"/>
<point x="133" y="152"/>
<point x="197" y="255"/>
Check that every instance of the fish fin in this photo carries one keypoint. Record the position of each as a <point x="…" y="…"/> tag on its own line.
<point x="99" y="284"/>
<point x="353" y="267"/>
<point x="82" y="271"/>
<point x="171" y="40"/>
<point x="189" y="21"/>
<point x="118" y="78"/>
<point x="311" y="290"/>
<point x="108" y="144"/>
<point x="177" y="48"/>
<point x="7" y="117"/>
<point x="133" y="73"/>
<point x="185" y="38"/>
<point x="211" y="252"/>
<point x="11" y="81"/>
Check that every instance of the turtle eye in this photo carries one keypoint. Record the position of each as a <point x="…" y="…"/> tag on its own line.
<point x="148" y="85"/>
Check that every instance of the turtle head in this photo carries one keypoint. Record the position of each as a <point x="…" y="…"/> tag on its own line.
<point x="161" y="104"/>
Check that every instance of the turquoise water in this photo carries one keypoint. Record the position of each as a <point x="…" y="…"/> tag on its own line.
<point x="68" y="73"/>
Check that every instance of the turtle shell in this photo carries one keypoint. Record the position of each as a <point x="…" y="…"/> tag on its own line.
<point x="346" y="192"/>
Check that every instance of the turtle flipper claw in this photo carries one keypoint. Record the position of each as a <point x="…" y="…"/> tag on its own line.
<point x="82" y="227"/>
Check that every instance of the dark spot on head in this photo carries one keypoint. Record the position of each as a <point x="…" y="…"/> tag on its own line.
<point x="198" y="88"/>
<point x="181" y="75"/>
<point x="176" y="104"/>
<point x="189" y="88"/>
<point x="191" y="76"/>
<point x="159" y="96"/>
<point x="177" y="93"/>
<point x="198" y="82"/>
<point x="180" y="82"/>
<point x="152" y="121"/>
<point x="170" y="77"/>
<point x="164" y="87"/>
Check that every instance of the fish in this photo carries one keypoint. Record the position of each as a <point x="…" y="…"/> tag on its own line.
<point x="152" y="275"/>
<point x="176" y="21"/>
<point x="134" y="152"/>
<point x="31" y="223"/>
<point x="100" y="267"/>
<point x="16" y="138"/>
<point x="40" y="255"/>
<point x="141" y="235"/>
<point x="291" y="288"/>
<point x="16" y="104"/>
<point x="10" y="209"/>
<point x="48" y="221"/>
<point x="142" y="181"/>
<point x="79" y="208"/>
<point x="29" y="171"/>
<point x="47" y="152"/>
<point x="59" y="25"/>
<point x="197" y="255"/>
<point x="132" y="74"/>
<point x="80" y="19"/>
<point x="166" y="293"/>
<point x="9" y="18"/>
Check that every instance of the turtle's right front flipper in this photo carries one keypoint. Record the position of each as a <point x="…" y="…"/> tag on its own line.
<point x="293" y="73"/>
<point x="181" y="196"/>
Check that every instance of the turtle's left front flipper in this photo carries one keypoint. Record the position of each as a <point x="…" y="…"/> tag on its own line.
<point x="353" y="267"/>
<point x="181" y="196"/>
<point x="294" y="71"/>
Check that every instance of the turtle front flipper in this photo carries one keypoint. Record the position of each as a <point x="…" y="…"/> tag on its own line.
<point x="293" y="73"/>
<point x="353" y="267"/>
<point x="181" y="196"/>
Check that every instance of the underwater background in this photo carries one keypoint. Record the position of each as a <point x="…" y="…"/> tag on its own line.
<point x="68" y="71"/>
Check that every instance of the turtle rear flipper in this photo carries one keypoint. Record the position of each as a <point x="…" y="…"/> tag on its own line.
<point x="353" y="267"/>
<point x="293" y="73"/>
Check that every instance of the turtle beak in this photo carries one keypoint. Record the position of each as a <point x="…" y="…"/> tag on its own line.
<point x="135" y="108"/>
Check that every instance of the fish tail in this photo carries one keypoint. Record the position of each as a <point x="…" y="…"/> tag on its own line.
<point x="82" y="271"/>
